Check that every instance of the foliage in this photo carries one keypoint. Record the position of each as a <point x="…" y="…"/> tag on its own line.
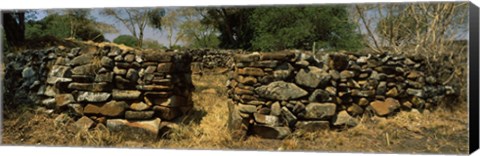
<point x="298" y="27"/>
<point x="233" y="24"/>
<point x="152" y="44"/>
<point x="127" y="40"/>
<point x="68" y="24"/>
<point x="137" y="19"/>
<point x="194" y="33"/>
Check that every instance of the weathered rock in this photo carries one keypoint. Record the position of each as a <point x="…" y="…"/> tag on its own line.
<point x="93" y="96"/>
<point x="164" y="67"/>
<point x="62" y="100"/>
<point x="269" y="120"/>
<point x="383" y="108"/>
<point x="280" y="90"/>
<point x="150" y="69"/>
<point x="312" y="126"/>
<point x="312" y="78"/>
<point x="241" y="91"/>
<point x="132" y="75"/>
<point x="60" y="71"/>
<point x="235" y="123"/>
<point x="392" y="92"/>
<point x="107" y="62"/>
<point x="415" y="92"/>
<point x="92" y="109"/>
<point x="76" y="109"/>
<point x="250" y="71"/>
<point x="166" y="113"/>
<point x="382" y="88"/>
<point x="84" y="123"/>
<point x="28" y="72"/>
<point x="139" y="106"/>
<point x="320" y="95"/>
<point x="283" y="71"/>
<point x="114" y="108"/>
<point x="355" y="109"/>
<point x="247" y="80"/>
<point x="125" y="94"/>
<point x="363" y="102"/>
<point x="119" y="71"/>
<point x="320" y="110"/>
<point x="271" y="132"/>
<point x="247" y="108"/>
<point x="414" y="75"/>
<point x="288" y="116"/>
<point x="158" y="56"/>
<point x="82" y="60"/>
<point x="253" y="57"/>
<point x="275" y="109"/>
<point x="346" y="74"/>
<point x="344" y="119"/>
<point x="104" y="77"/>
<point x="136" y="129"/>
<point x="88" y="69"/>
<point x="94" y="87"/>
<point x="138" y="115"/>
<point x="129" y="58"/>
<point x="49" y="103"/>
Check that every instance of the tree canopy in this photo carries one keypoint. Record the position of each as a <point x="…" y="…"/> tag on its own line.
<point x="127" y="40"/>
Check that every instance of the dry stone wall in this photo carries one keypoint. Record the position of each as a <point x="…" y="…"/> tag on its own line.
<point x="122" y="88"/>
<point x="274" y="94"/>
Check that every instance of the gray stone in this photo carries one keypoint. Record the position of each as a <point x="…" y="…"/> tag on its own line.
<point x="136" y="129"/>
<point x="275" y="109"/>
<point x="82" y="60"/>
<point x="49" y="103"/>
<point x="271" y="132"/>
<point x="247" y="108"/>
<point x="76" y="109"/>
<point x="139" y="115"/>
<point x="280" y="90"/>
<point x="104" y="77"/>
<point x="118" y="58"/>
<point x="312" y="78"/>
<point x="312" y="126"/>
<point x="84" y="123"/>
<point x="138" y="59"/>
<point x="93" y="96"/>
<point x="107" y="62"/>
<point x="28" y="72"/>
<point x="87" y="69"/>
<point x="235" y="123"/>
<point x="269" y="120"/>
<point x="382" y="88"/>
<point x="344" y="119"/>
<point x="415" y="92"/>
<point x="150" y="69"/>
<point x="288" y="116"/>
<point x="320" y="95"/>
<point x="319" y="110"/>
<point x="132" y="75"/>
<point x="125" y="94"/>
<point x="283" y="71"/>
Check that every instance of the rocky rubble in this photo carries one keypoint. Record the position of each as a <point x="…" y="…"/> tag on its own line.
<point x="274" y="94"/>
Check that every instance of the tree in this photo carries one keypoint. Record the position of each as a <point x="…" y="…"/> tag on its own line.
<point x="170" y="23"/>
<point x="196" y="34"/>
<point x="14" y="26"/>
<point x="126" y="40"/>
<point x="278" y="28"/>
<point x="65" y="24"/>
<point x="137" y="19"/>
<point x="233" y="25"/>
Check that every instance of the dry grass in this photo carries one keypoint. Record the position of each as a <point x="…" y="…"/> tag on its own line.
<point x="439" y="131"/>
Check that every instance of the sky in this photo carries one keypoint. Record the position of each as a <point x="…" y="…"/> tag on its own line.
<point x="149" y="33"/>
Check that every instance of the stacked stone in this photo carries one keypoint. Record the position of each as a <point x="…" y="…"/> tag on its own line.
<point x="120" y="88"/>
<point x="274" y="94"/>
<point x="210" y="59"/>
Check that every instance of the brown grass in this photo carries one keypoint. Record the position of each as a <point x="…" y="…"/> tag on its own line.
<point x="439" y="131"/>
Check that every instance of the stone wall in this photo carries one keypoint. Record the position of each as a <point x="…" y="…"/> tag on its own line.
<point x="204" y="61"/>
<point x="116" y="86"/>
<point x="274" y="94"/>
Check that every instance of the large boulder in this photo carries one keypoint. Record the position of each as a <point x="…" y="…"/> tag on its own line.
<point x="280" y="90"/>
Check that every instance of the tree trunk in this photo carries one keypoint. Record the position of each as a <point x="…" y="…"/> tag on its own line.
<point x="14" y="26"/>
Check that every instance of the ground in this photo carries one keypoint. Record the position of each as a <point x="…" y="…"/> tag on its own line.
<point x="437" y="131"/>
